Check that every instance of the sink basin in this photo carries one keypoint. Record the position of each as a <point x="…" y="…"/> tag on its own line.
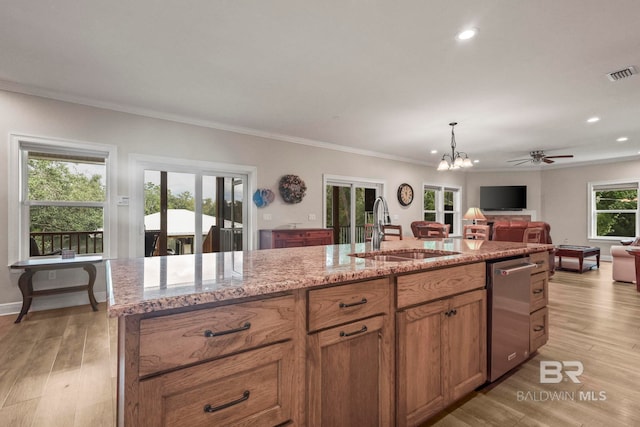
<point x="403" y="255"/>
<point x="390" y="258"/>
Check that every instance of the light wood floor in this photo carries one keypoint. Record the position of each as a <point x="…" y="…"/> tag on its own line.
<point x="58" y="368"/>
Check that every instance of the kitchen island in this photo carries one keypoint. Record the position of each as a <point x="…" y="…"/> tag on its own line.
<point x="310" y="336"/>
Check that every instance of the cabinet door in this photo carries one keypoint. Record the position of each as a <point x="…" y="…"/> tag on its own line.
<point x="465" y="335"/>
<point x="421" y="388"/>
<point x="349" y="375"/>
<point x="253" y="388"/>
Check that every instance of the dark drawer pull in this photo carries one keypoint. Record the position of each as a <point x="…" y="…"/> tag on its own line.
<point x="362" y="301"/>
<point x="538" y="328"/>
<point x="348" y="334"/>
<point x="209" y="408"/>
<point x="538" y="291"/>
<point x="209" y="333"/>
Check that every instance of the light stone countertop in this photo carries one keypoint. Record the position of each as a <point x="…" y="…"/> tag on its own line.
<point x="143" y="285"/>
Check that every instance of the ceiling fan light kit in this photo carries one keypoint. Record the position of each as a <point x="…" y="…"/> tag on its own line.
<point x="538" y="157"/>
<point x="457" y="159"/>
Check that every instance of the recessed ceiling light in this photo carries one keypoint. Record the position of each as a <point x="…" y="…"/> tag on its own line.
<point x="467" y="34"/>
<point x="434" y="151"/>
<point x="622" y="139"/>
<point x="593" y="119"/>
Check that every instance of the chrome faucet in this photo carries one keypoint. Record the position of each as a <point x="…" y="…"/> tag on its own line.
<point x="379" y="223"/>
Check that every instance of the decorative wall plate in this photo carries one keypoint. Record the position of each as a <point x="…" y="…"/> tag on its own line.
<point x="292" y="188"/>
<point x="263" y="196"/>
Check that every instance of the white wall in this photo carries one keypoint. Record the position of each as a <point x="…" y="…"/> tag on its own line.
<point x="133" y="134"/>
<point x="566" y="199"/>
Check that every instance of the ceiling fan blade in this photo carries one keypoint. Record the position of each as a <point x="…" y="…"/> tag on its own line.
<point x="522" y="161"/>
<point x="519" y="160"/>
<point x="546" y="160"/>
<point x="565" y="156"/>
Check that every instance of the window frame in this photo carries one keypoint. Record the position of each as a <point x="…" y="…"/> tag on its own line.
<point x="440" y="208"/>
<point x="138" y="163"/>
<point x="18" y="203"/>
<point x="592" y="212"/>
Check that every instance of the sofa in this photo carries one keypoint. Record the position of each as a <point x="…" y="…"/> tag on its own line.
<point x="623" y="265"/>
<point x="513" y="231"/>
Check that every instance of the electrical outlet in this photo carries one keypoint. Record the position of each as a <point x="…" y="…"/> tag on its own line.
<point x="266" y="217"/>
<point x="52" y="275"/>
<point x="312" y="217"/>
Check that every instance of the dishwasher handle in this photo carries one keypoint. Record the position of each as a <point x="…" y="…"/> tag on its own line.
<point x="513" y="270"/>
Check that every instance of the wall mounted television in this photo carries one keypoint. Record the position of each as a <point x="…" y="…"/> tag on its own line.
<point x="503" y="198"/>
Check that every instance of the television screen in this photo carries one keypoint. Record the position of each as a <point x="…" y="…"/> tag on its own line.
<point x="503" y="198"/>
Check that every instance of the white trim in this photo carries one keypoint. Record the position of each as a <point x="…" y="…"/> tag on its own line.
<point x="16" y="193"/>
<point x="139" y="162"/>
<point x="591" y="211"/>
<point x="52" y="302"/>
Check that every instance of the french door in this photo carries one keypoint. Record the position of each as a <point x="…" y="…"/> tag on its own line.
<point x="349" y="206"/>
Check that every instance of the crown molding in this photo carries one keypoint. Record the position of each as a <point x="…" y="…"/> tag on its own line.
<point x="154" y="114"/>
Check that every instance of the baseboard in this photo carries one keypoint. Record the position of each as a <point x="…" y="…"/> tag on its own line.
<point x="51" y="302"/>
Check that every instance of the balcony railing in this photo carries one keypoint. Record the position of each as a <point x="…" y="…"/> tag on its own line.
<point x="82" y="242"/>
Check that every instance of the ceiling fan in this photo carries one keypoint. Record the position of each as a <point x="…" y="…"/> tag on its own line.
<point x="538" y="156"/>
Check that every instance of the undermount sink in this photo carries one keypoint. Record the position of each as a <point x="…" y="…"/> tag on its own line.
<point x="403" y="255"/>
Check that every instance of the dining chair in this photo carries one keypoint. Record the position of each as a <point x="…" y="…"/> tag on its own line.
<point x="392" y="232"/>
<point x="476" y="232"/>
<point x="532" y="235"/>
<point x="433" y="230"/>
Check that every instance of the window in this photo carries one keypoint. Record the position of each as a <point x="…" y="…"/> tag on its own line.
<point x="60" y="193"/>
<point x="182" y="206"/>
<point x="442" y="204"/>
<point x="613" y="210"/>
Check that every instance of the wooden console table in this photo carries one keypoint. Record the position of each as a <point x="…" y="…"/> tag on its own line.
<point x="32" y="266"/>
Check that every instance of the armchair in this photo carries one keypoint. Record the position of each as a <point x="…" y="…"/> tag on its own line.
<point x="623" y="264"/>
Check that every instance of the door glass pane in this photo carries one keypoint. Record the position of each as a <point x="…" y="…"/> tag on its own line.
<point x="181" y="220"/>
<point x="339" y="211"/>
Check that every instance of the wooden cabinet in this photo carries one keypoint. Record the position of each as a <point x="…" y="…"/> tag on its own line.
<point x="350" y="366"/>
<point x="539" y="298"/>
<point x="441" y="354"/>
<point x="247" y="389"/>
<point x="295" y="237"/>
<point x="233" y="364"/>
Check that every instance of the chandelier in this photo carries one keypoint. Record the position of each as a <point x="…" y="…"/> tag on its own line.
<point x="457" y="159"/>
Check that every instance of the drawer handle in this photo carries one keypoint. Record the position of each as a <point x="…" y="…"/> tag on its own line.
<point x="209" y="333"/>
<point x="363" y="301"/>
<point x="348" y="334"/>
<point x="538" y="328"/>
<point x="538" y="291"/>
<point x="451" y="313"/>
<point x="208" y="408"/>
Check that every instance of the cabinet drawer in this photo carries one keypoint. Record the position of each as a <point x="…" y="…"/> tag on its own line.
<point x="539" y="291"/>
<point x="342" y="304"/>
<point x="539" y="329"/>
<point x="541" y="259"/>
<point x="422" y="287"/>
<point x="247" y="389"/>
<point x="167" y="342"/>
<point x="288" y="235"/>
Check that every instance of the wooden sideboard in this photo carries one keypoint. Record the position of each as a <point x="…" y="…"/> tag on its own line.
<point x="295" y="237"/>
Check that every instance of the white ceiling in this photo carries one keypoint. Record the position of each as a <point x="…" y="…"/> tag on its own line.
<point x="373" y="76"/>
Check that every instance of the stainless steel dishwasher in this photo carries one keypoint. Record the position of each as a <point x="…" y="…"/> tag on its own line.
<point x="508" y="289"/>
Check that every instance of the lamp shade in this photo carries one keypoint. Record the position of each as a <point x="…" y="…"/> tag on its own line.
<point x="474" y="214"/>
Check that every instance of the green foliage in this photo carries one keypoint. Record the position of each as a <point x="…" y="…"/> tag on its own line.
<point x="52" y="180"/>
<point x="619" y="224"/>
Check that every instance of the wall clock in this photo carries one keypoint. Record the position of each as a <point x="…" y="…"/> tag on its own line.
<point x="405" y="194"/>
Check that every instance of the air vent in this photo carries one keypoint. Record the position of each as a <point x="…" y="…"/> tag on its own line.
<point x="622" y="74"/>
